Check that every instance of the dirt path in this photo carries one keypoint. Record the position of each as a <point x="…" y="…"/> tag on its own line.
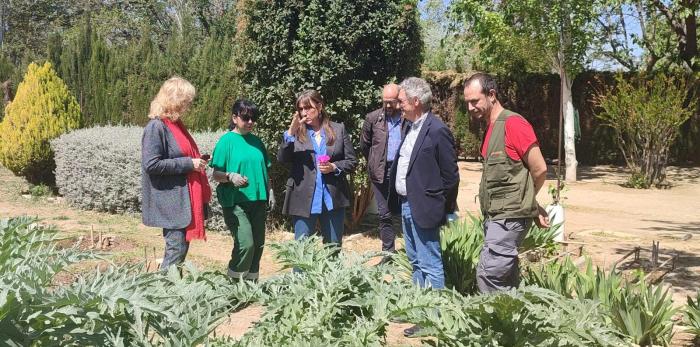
<point x="609" y="219"/>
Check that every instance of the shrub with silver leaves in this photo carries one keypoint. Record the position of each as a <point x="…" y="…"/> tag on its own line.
<point x="100" y="169"/>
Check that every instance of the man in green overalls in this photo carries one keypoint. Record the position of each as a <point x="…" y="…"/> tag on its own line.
<point x="513" y="172"/>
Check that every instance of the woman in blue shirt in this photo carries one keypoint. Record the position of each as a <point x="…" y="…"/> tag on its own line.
<point x="320" y="156"/>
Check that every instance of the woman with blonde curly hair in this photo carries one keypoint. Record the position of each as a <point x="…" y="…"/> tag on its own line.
<point x="174" y="182"/>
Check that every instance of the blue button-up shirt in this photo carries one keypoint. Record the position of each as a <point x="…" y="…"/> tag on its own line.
<point x="393" y="127"/>
<point x="321" y="194"/>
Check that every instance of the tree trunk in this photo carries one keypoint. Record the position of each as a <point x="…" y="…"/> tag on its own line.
<point x="569" y="125"/>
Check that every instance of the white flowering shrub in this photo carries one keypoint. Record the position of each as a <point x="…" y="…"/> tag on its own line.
<point x="100" y="169"/>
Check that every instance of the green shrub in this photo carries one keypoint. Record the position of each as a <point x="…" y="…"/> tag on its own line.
<point x="39" y="190"/>
<point x="639" y="311"/>
<point x="120" y="306"/>
<point x="344" y="49"/>
<point x="692" y="315"/>
<point x="43" y="109"/>
<point x="644" y="313"/>
<point x="340" y="301"/>
<point x="467" y="143"/>
<point x="645" y="114"/>
<point x="100" y="169"/>
<point x="123" y="77"/>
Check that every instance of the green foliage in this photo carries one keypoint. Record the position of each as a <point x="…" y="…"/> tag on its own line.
<point x="528" y="316"/>
<point x="116" y="82"/>
<point x="340" y="301"/>
<point x="448" y="45"/>
<point x="467" y="143"/>
<point x="40" y="190"/>
<point x="519" y="36"/>
<point x="336" y="301"/>
<point x="692" y="315"/>
<point x="346" y="50"/>
<point x="644" y="313"/>
<point x="637" y="180"/>
<point x="42" y="110"/>
<point x="639" y="311"/>
<point x="461" y="243"/>
<point x="648" y="35"/>
<point x="120" y="306"/>
<point x="645" y="114"/>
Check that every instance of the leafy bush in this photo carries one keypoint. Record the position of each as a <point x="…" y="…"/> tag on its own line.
<point x="42" y="110"/>
<point x="344" y="49"/>
<point x="340" y="301"/>
<point x="461" y="243"/>
<point x="646" y="114"/>
<point x="467" y="143"/>
<point x="692" y="315"/>
<point x="528" y="316"/>
<point x="119" y="306"/>
<point x="39" y="190"/>
<point x="124" y="76"/>
<point x="100" y="169"/>
<point x="639" y="311"/>
<point x="336" y="301"/>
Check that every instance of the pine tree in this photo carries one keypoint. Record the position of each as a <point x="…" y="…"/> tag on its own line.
<point x="43" y="109"/>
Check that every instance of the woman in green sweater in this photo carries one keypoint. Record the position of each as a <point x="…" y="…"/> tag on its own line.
<point x="245" y="193"/>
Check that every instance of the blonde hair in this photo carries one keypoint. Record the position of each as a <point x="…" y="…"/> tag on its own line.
<point x="173" y="99"/>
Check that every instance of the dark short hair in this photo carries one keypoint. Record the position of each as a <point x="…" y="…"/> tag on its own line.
<point x="487" y="82"/>
<point x="242" y="107"/>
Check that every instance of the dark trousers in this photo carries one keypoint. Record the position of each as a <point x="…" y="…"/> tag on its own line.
<point x="386" y="224"/>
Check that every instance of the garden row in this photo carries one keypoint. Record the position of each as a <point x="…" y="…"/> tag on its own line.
<point x="336" y="301"/>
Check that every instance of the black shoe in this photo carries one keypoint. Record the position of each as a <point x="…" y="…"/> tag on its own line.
<point x="409" y="332"/>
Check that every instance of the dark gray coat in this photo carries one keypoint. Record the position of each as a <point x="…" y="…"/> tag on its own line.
<point x="164" y="169"/>
<point x="302" y="174"/>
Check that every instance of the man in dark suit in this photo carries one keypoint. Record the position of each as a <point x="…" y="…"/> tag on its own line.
<point x="425" y="179"/>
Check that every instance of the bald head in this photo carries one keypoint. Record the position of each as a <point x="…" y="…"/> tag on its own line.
<point x="390" y="97"/>
<point x="390" y="91"/>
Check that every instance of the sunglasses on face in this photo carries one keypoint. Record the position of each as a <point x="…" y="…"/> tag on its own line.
<point x="247" y="118"/>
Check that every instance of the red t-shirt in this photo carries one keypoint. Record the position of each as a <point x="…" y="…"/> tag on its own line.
<point x="520" y="137"/>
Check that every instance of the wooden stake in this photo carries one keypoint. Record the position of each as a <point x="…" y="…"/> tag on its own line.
<point x="92" y="236"/>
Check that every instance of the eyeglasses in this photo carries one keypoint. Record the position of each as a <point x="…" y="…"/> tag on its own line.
<point x="390" y="103"/>
<point x="248" y="118"/>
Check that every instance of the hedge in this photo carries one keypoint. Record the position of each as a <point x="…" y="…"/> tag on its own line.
<point x="100" y="169"/>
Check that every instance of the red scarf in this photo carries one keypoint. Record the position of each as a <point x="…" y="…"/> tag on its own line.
<point x="197" y="183"/>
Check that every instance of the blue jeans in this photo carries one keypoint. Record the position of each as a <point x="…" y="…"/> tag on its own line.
<point x="176" y="247"/>
<point x="423" y="250"/>
<point x="331" y="225"/>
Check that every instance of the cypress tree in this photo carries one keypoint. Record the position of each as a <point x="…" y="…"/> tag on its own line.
<point x="43" y="109"/>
